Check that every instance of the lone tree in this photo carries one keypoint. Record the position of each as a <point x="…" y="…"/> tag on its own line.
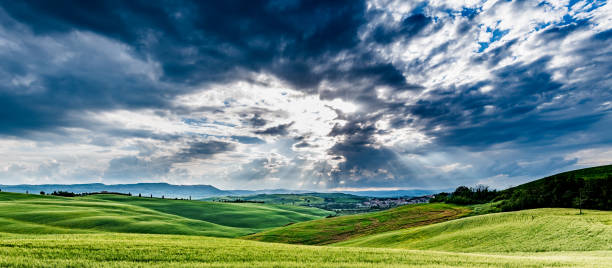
<point x="42" y="192"/>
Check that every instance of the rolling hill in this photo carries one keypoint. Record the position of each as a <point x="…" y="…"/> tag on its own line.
<point x="21" y="213"/>
<point x="331" y="230"/>
<point x="118" y="230"/>
<point x="536" y="230"/>
<point x="560" y="190"/>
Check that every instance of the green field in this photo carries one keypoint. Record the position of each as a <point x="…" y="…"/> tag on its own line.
<point x="535" y="230"/>
<point x="124" y="231"/>
<point x="141" y="250"/>
<point x="331" y="230"/>
<point x="20" y="213"/>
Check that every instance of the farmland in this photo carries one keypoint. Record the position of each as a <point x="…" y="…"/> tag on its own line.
<point x="331" y="230"/>
<point x="145" y="250"/>
<point x="21" y="213"/>
<point x="105" y="230"/>
<point x="535" y="230"/>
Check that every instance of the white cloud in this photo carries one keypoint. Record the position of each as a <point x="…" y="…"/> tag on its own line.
<point x="445" y="56"/>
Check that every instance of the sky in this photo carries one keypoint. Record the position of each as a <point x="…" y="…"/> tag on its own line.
<point x="314" y="95"/>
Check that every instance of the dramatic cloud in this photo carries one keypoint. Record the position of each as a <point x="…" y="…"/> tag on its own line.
<point x="277" y="130"/>
<point x="303" y="93"/>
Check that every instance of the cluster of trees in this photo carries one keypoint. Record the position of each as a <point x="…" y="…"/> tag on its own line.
<point x="71" y="194"/>
<point x="463" y="195"/>
<point x="62" y="193"/>
<point x="562" y="190"/>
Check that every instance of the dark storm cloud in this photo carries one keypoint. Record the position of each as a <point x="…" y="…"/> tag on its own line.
<point x="53" y="106"/>
<point x="132" y="167"/>
<point x="145" y="167"/>
<point x="514" y="110"/>
<point x="203" y="150"/>
<point x="280" y="130"/>
<point x="560" y="32"/>
<point x="48" y="84"/>
<point x="195" y="42"/>
<point x="523" y="107"/>
<point x="137" y="133"/>
<point x="603" y="36"/>
<point x="494" y="56"/>
<point x="257" y="121"/>
<point x="202" y="41"/>
<point x="364" y="158"/>
<point x="372" y="165"/>
<point x="302" y="144"/>
<point x="262" y="168"/>
<point x="248" y="140"/>
<point x="66" y="60"/>
<point x="408" y="27"/>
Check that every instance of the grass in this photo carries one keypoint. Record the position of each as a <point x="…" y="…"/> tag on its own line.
<point x="20" y="213"/>
<point x="120" y="231"/>
<point x="145" y="250"/>
<point x="486" y="208"/>
<point x="242" y="215"/>
<point x="536" y="230"/>
<point x="332" y="230"/>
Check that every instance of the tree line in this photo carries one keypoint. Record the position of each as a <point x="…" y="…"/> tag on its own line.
<point x="72" y="194"/>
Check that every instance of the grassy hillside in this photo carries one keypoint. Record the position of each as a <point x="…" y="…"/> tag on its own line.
<point x="331" y="230"/>
<point x="242" y="215"/>
<point x="534" y="230"/>
<point x="145" y="250"/>
<point x="47" y="231"/>
<point x="20" y="213"/>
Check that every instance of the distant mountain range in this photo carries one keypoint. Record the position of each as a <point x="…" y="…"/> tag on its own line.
<point x="146" y="189"/>
<point x="183" y="191"/>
